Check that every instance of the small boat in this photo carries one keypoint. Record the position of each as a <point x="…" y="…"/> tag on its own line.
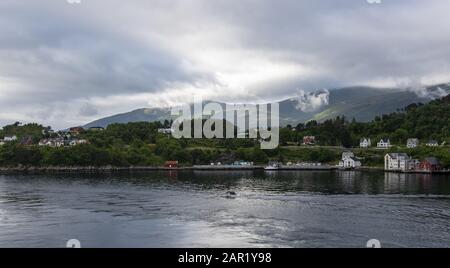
<point x="272" y="167"/>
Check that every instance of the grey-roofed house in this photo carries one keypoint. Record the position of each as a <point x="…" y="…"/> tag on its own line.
<point x="397" y="162"/>
<point x="432" y="143"/>
<point x="412" y="143"/>
<point x="384" y="143"/>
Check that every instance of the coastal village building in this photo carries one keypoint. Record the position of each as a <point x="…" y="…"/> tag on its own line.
<point x="7" y="139"/>
<point x="412" y="143"/>
<point x="399" y="162"/>
<point x="365" y="143"/>
<point x="349" y="160"/>
<point x="242" y="163"/>
<point x="402" y="162"/>
<point x="165" y="131"/>
<point x="430" y="164"/>
<point x="10" y="138"/>
<point x="309" y="140"/>
<point x="384" y="144"/>
<point x="432" y="143"/>
<point x="414" y="164"/>
<point x="76" y="130"/>
<point x="171" y="164"/>
<point x="78" y="142"/>
<point x="60" y="142"/>
<point x="57" y="142"/>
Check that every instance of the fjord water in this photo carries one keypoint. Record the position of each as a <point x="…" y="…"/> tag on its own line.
<point x="193" y="209"/>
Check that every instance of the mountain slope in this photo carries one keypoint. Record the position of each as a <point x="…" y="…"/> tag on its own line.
<point x="361" y="103"/>
<point x="139" y="115"/>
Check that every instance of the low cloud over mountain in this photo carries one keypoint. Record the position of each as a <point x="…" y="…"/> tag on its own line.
<point x="312" y="101"/>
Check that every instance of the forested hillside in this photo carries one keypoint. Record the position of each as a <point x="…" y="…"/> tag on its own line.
<point x="140" y="143"/>
<point x="422" y="121"/>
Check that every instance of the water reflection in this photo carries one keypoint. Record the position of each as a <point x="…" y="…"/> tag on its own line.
<point x="192" y="209"/>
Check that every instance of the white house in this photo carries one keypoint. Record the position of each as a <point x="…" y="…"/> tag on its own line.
<point x="365" y="143"/>
<point x="165" y="130"/>
<point x="10" y="138"/>
<point x="432" y="143"/>
<point x="77" y="142"/>
<point x="384" y="144"/>
<point x="347" y="154"/>
<point x="412" y="143"/>
<point x="57" y="142"/>
<point x="349" y="160"/>
<point x="44" y="142"/>
<point x="398" y="162"/>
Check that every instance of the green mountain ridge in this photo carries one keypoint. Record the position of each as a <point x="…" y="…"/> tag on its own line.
<point x="361" y="103"/>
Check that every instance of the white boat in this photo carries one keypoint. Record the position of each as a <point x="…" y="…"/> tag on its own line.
<point x="272" y="167"/>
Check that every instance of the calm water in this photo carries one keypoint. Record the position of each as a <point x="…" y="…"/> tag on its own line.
<point x="192" y="209"/>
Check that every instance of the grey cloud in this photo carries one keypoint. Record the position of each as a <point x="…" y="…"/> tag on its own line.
<point x="101" y="51"/>
<point x="88" y="110"/>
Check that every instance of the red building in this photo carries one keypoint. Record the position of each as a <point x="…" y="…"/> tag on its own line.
<point x="76" y="130"/>
<point x="309" y="140"/>
<point x="430" y="164"/>
<point x="171" y="164"/>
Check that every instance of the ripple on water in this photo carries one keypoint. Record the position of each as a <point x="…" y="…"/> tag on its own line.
<point x="296" y="209"/>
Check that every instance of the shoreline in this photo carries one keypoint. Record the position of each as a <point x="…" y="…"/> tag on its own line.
<point x="107" y="169"/>
<point x="152" y="168"/>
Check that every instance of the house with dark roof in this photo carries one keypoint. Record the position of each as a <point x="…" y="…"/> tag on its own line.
<point x="365" y="143"/>
<point x="412" y="143"/>
<point x="55" y="142"/>
<point x="384" y="144"/>
<point x="349" y="160"/>
<point x="76" y="130"/>
<point x="171" y="164"/>
<point x="432" y="143"/>
<point x="309" y="140"/>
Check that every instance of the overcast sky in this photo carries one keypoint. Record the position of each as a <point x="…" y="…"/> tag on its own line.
<point x="65" y="64"/>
